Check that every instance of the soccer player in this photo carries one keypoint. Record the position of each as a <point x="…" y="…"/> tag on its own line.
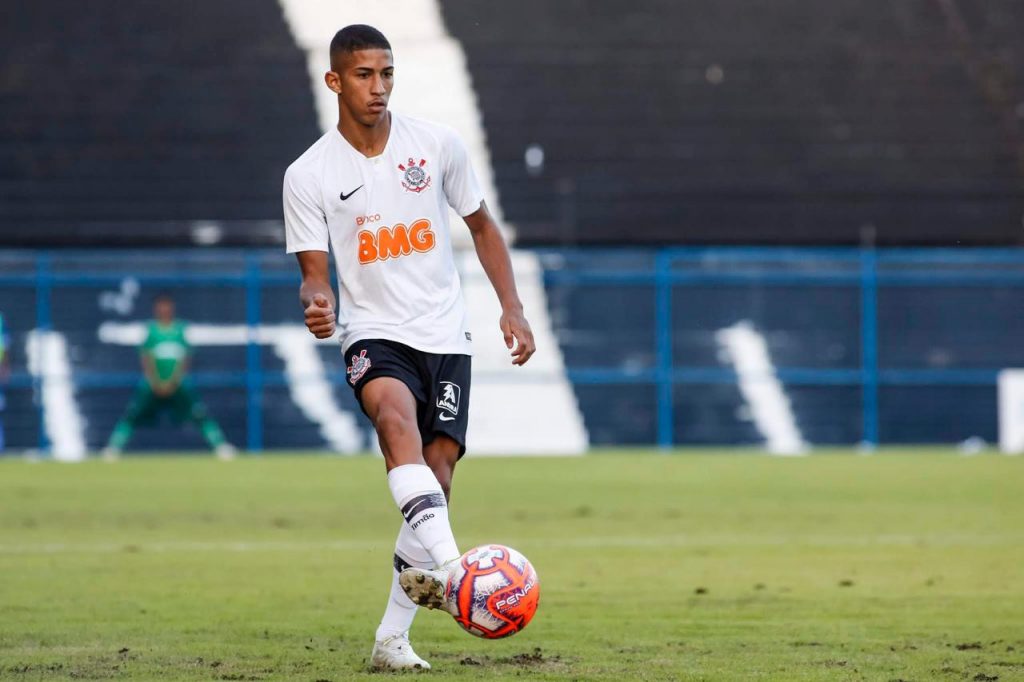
<point x="376" y="191"/>
<point x="165" y="356"/>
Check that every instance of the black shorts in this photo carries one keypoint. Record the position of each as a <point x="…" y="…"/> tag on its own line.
<point x="440" y="383"/>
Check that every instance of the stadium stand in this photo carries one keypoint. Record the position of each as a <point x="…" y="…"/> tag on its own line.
<point x="788" y="122"/>
<point x="734" y="122"/>
<point x="148" y="122"/>
<point x="753" y="122"/>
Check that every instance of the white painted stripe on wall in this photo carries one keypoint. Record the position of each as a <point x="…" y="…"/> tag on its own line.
<point x="310" y="390"/>
<point x="746" y="349"/>
<point x="47" y="353"/>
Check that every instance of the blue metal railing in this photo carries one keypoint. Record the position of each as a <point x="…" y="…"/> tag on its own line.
<point x="866" y="269"/>
<point x="665" y="271"/>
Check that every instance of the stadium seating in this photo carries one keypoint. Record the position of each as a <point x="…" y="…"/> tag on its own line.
<point x="672" y="122"/>
<point x="753" y="122"/>
<point x="133" y="121"/>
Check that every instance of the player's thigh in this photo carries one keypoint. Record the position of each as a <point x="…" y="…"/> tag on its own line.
<point x="391" y="407"/>
<point x="185" y="405"/>
<point x="144" y="405"/>
<point x="446" y="411"/>
<point x="387" y="380"/>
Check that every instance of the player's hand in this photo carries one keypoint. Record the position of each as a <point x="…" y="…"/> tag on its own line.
<point x="518" y="333"/>
<point x="320" y="317"/>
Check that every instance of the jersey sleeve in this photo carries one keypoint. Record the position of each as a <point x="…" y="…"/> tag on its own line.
<point x="460" y="184"/>
<point x="305" y="224"/>
<point x="147" y="343"/>
<point x="183" y="336"/>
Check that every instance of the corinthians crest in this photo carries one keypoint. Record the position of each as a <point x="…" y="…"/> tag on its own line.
<point x="415" y="179"/>
<point x="360" y="363"/>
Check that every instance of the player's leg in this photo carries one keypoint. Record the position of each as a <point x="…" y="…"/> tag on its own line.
<point x="392" y="408"/>
<point x="142" y="407"/>
<point x="441" y="455"/>
<point x="387" y="380"/>
<point x="425" y="585"/>
<point x="391" y="648"/>
<point x="187" y="406"/>
<point x="443" y="425"/>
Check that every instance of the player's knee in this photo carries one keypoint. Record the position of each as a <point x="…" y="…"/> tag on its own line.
<point x="391" y="424"/>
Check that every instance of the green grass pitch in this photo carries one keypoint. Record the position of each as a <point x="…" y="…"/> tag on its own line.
<point x="715" y="565"/>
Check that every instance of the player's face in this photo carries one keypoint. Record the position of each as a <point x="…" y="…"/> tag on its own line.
<point x="163" y="310"/>
<point x="364" y="82"/>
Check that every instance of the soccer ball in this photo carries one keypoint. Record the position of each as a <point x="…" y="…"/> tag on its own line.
<point x="493" y="591"/>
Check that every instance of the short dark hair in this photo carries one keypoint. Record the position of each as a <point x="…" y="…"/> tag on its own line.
<point x="357" y="37"/>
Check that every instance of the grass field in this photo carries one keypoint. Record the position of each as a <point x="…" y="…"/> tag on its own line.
<point x="906" y="565"/>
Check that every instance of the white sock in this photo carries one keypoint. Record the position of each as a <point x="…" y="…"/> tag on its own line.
<point x="400" y="611"/>
<point x="421" y="500"/>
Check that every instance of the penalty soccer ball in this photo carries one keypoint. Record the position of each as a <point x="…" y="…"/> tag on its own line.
<point x="493" y="591"/>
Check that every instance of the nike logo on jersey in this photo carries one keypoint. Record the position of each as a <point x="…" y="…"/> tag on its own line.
<point x="445" y="418"/>
<point x="344" y="196"/>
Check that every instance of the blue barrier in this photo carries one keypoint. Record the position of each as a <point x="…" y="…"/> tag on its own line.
<point x="868" y="271"/>
<point x="670" y="274"/>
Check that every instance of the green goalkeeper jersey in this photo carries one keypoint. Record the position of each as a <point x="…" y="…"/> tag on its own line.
<point x="167" y="346"/>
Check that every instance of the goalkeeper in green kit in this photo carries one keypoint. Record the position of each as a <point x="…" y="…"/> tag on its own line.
<point x="165" y="356"/>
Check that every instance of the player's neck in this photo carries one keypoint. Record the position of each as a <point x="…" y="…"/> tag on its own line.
<point x="369" y="141"/>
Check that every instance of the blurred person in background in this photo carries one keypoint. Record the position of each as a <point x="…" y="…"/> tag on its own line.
<point x="165" y="355"/>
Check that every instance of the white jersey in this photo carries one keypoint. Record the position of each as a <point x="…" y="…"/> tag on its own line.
<point x="386" y="220"/>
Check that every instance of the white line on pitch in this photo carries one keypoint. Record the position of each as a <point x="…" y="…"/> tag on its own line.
<point x="924" y="541"/>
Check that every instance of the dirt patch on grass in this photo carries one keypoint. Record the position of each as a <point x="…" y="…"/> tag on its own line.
<point x="27" y="669"/>
<point x="834" y="663"/>
<point x="527" y="660"/>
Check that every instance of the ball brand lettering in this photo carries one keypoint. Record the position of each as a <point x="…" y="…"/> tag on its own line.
<point x="516" y="595"/>
<point x="363" y="219"/>
<point x="395" y="242"/>
<point x="422" y="519"/>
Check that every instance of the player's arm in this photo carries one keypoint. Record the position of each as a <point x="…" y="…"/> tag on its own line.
<point x="494" y="257"/>
<point x="174" y="381"/>
<point x="316" y="294"/>
<point x="149" y="371"/>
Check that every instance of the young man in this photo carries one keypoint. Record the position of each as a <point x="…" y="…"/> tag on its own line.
<point x="376" y="190"/>
<point x="165" y="358"/>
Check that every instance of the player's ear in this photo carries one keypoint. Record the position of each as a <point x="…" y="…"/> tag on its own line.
<point x="333" y="81"/>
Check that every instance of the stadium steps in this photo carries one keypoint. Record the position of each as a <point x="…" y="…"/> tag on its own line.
<point x="827" y="117"/>
<point x="164" y="112"/>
